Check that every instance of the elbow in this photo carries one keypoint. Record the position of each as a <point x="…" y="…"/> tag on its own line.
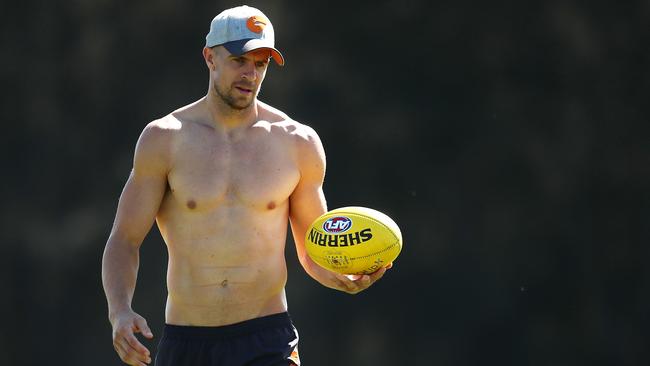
<point x="121" y="238"/>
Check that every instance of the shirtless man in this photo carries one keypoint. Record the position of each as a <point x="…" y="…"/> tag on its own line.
<point x="222" y="177"/>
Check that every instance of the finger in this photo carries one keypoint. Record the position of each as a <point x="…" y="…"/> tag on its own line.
<point x="353" y="277"/>
<point x="378" y="274"/>
<point x="132" y="356"/>
<point x="143" y="327"/>
<point x="355" y="286"/>
<point x="362" y="283"/>
<point x="365" y="280"/>
<point x="135" y="344"/>
<point x="345" y="284"/>
<point x="131" y="350"/>
<point x="120" y="350"/>
<point x="390" y="265"/>
<point x="128" y="358"/>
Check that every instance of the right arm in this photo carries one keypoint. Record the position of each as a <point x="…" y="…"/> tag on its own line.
<point x="136" y="212"/>
<point x="306" y="203"/>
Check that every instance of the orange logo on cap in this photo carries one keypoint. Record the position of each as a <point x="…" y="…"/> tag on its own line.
<point x="256" y="23"/>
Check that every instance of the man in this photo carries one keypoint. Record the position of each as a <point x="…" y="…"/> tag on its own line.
<point x="222" y="177"/>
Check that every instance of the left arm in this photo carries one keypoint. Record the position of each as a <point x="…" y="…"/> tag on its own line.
<point x="306" y="203"/>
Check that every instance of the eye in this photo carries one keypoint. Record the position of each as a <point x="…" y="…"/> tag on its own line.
<point x="261" y="63"/>
<point x="239" y="60"/>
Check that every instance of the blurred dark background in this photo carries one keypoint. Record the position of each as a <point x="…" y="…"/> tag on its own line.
<point x="509" y="140"/>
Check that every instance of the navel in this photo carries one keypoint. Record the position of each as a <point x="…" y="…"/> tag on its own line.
<point x="191" y="204"/>
<point x="271" y="205"/>
<point x="224" y="283"/>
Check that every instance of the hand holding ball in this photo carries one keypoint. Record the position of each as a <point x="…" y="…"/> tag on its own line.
<point x="353" y="240"/>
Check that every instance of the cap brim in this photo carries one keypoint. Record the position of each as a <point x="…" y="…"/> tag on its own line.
<point x="243" y="46"/>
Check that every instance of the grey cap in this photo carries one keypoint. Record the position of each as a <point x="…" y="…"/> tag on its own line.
<point x="241" y="30"/>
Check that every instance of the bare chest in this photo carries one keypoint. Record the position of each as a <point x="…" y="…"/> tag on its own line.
<point x="208" y="172"/>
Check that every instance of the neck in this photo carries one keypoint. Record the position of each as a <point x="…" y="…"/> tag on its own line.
<point x="227" y="118"/>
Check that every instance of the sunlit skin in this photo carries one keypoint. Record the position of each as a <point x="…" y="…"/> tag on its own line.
<point x="237" y="82"/>
<point x="222" y="178"/>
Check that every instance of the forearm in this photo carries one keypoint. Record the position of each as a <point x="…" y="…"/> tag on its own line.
<point x="318" y="273"/>
<point x="119" y="274"/>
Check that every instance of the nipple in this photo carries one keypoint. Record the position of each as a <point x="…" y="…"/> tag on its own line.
<point x="191" y="204"/>
<point x="271" y="205"/>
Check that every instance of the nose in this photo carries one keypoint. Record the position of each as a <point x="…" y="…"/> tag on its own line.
<point x="250" y="72"/>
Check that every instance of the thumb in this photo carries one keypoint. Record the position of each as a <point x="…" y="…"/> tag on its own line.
<point x="142" y="326"/>
<point x="353" y="277"/>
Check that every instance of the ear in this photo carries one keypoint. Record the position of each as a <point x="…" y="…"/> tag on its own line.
<point x="210" y="57"/>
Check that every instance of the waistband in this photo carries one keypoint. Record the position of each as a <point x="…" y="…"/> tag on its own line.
<point x="230" y="330"/>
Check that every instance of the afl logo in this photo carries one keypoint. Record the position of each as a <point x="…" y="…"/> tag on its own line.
<point x="338" y="224"/>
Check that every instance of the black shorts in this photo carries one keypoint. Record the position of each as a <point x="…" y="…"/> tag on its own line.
<point x="267" y="341"/>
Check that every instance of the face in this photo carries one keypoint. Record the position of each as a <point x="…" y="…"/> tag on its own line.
<point x="237" y="80"/>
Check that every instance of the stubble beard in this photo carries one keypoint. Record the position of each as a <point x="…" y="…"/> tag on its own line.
<point x="234" y="103"/>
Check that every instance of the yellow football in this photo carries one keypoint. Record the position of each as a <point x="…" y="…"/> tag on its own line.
<point x="353" y="240"/>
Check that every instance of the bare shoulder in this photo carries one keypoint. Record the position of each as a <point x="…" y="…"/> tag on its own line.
<point x="157" y="134"/>
<point x="301" y="133"/>
<point x="154" y="144"/>
<point x="309" y="151"/>
<point x="305" y="142"/>
<point x="168" y="123"/>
